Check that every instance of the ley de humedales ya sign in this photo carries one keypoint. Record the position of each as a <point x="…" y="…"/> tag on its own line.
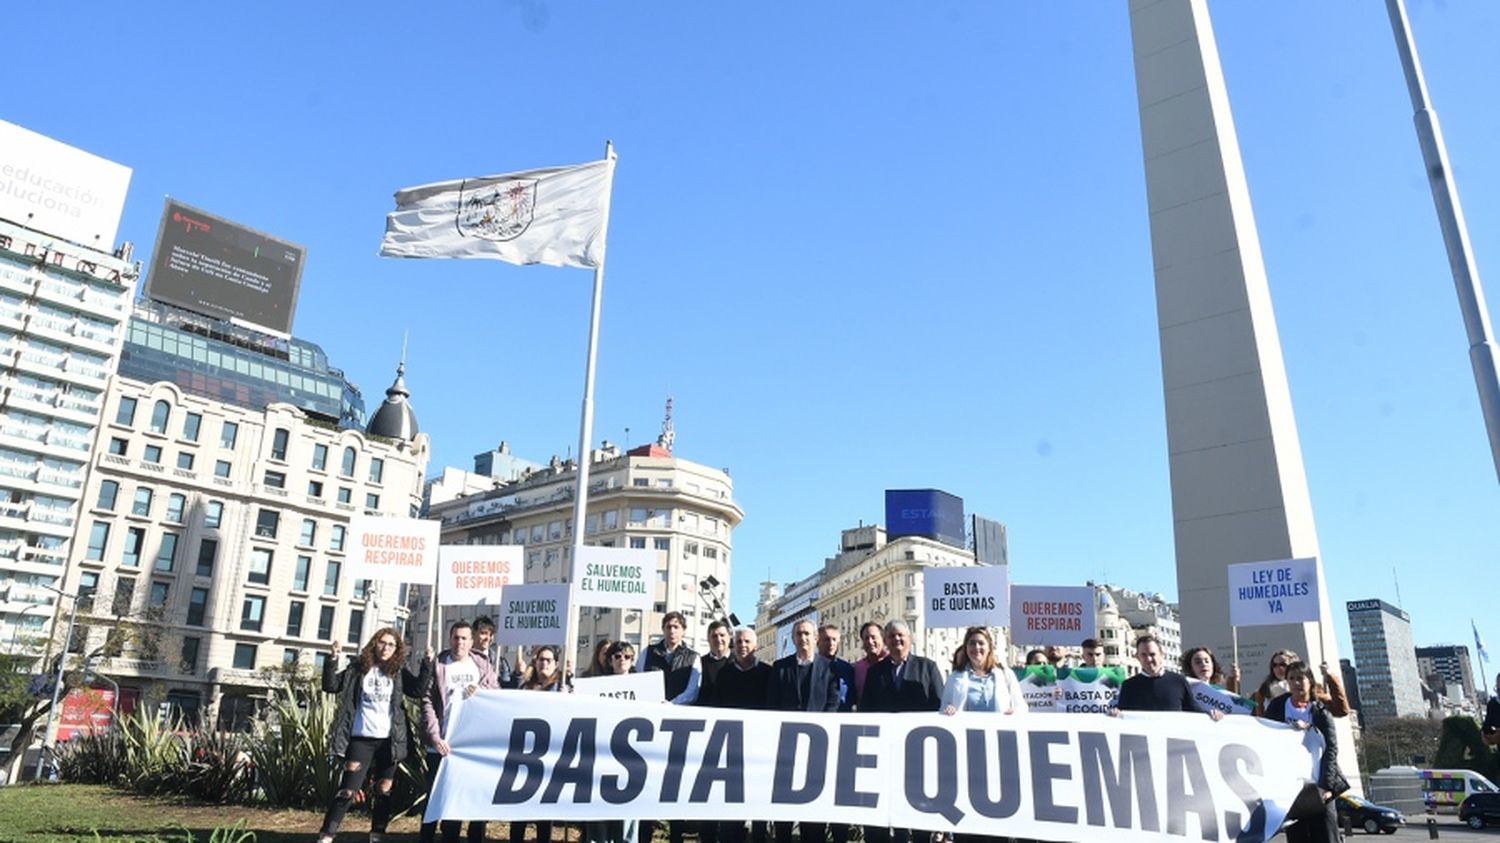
<point x="1145" y="777"/>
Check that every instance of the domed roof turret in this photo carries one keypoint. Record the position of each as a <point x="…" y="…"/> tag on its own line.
<point x="394" y="418"/>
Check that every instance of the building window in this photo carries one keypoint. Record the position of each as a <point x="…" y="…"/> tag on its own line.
<point x="309" y="537"/>
<point x="612" y="520"/>
<point x="294" y="618"/>
<point x="336" y="541"/>
<point x="315" y="488"/>
<point x="98" y="539"/>
<point x="288" y="657"/>
<point x="299" y="578"/>
<point x="161" y="413"/>
<point x="190" y="426"/>
<point x="108" y="491"/>
<point x="331" y="580"/>
<point x="185" y="460"/>
<point x="175" y="505"/>
<point x="118" y="447"/>
<point x="134" y="538"/>
<point x="641" y="481"/>
<point x="252" y="612"/>
<point x="361" y="589"/>
<point x="279" y="441"/>
<point x="221" y="468"/>
<point x="260" y="566"/>
<point x="356" y="626"/>
<point x="320" y="457"/>
<point x="143" y="503"/>
<point x="346" y="468"/>
<point x="125" y="413"/>
<point x="538" y="533"/>
<point x="325" y="623"/>
<point x="244" y="657"/>
<point x="345" y="494"/>
<point x="189" y="661"/>
<point x="208" y="552"/>
<point x="275" y="480"/>
<point x="661" y="543"/>
<point x="88" y="586"/>
<point x="228" y="434"/>
<point x="197" y="606"/>
<point x="911" y="604"/>
<point x="267" y="521"/>
<point x="152" y="454"/>
<point x="166" y="555"/>
<point x="372" y="501"/>
<point x="638" y="542"/>
<point x="213" y="514"/>
<point x="124" y="595"/>
<point x="690" y="549"/>
<point x="159" y="592"/>
<point x="377" y="470"/>
<point x="710" y="552"/>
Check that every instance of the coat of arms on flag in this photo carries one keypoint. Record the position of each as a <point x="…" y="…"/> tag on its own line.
<point x="496" y="210"/>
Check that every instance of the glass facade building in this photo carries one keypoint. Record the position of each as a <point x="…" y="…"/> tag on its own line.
<point x="239" y="366"/>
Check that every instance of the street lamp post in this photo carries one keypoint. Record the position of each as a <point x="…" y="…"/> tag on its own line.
<point x="62" y="660"/>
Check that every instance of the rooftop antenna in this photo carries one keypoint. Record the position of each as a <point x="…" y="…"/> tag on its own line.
<point x="1398" y="587"/>
<point x="627" y="437"/>
<point x="668" y="435"/>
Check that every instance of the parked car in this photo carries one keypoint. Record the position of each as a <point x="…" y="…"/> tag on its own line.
<point x="1367" y="815"/>
<point x="1480" y="810"/>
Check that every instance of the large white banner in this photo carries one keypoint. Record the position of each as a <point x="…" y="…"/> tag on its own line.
<point x="392" y="549"/>
<point x="972" y="595"/>
<point x="635" y="686"/>
<point x="1051" y="614"/>
<point x="1138" y="777"/>
<point x="532" y="614"/>
<point x="473" y="574"/>
<point x="59" y="189"/>
<point x="1281" y="591"/>
<point x="616" y="577"/>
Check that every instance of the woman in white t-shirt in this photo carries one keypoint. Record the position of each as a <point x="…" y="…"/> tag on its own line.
<point x="369" y="724"/>
<point x="1302" y="709"/>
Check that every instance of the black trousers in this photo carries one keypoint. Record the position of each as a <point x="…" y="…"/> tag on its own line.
<point x="518" y="831"/>
<point x="450" y="827"/>
<point x="362" y="754"/>
<point x="1316" y="828"/>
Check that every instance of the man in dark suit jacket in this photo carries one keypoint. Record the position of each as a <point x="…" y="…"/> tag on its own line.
<point x="900" y="682"/>
<point x="802" y="681"/>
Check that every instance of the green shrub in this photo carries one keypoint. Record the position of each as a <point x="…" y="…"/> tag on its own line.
<point x="218" y="767"/>
<point x="289" y="747"/>
<point x="92" y="759"/>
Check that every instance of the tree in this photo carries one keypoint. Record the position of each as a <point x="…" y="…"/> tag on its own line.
<point x="1399" y="742"/>
<point x="1462" y="748"/>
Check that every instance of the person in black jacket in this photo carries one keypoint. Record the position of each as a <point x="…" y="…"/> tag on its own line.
<point x="803" y="681"/>
<point x="900" y="682"/>
<point x="1155" y="688"/>
<point x="682" y="673"/>
<point x="1302" y="709"/>
<point x="369" y="724"/>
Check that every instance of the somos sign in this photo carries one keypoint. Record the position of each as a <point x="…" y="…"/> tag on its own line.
<point x="928" y="513"/>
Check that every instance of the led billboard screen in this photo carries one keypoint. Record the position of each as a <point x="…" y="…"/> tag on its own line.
<point x="215" y="267"/>
<point x="929" y="513"/>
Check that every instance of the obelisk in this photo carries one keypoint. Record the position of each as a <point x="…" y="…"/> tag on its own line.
<point x="1239" y="492"/>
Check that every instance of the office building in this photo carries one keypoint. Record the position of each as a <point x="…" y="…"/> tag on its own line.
<point x="62" y="317"/>
<point x="216" y="512"/>
<point x="1390" y="684"/>
<point x="644" y="498"/>
<point x="1447" y="670"/>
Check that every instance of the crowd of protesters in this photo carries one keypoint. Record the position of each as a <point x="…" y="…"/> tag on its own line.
<point x="370" y="729"/>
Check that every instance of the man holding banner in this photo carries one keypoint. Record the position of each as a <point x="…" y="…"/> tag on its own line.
<point x="457" y="675"/>
<point x="803" y="681"/>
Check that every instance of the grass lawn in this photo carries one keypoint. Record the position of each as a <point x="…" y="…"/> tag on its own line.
<point x="66" y="812"/>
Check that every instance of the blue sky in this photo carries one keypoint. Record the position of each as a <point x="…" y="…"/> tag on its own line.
<point x="863" y="246"/>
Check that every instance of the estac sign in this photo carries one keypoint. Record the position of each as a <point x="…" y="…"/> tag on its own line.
<point x="929" y="513"/>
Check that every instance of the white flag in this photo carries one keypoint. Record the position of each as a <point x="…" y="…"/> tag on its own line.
<point x="554" y="216"/>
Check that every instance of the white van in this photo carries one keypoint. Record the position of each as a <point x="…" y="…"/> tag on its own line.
<point x="1444" y="788"/>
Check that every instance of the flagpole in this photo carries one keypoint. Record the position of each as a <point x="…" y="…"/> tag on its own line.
<point x="586" y="428"/>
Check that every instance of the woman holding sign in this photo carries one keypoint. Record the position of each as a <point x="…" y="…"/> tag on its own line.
<point x="545" y="675"/>
<point x="369" y="725"/>
<point x="621" y="660"/>
<point x="978" y="681"/>
<point x="1303" y="710"/>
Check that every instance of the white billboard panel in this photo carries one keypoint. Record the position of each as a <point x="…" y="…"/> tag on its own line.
<point x="60" y="190"/>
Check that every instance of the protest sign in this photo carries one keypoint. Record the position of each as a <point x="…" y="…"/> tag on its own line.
<point x="1089" y="689"/>
<point x="473" y="574"/>
<point x="640" y="687"/>
<point x="1212" y="697"/>
<point x="532" y="614"/>
<point x="1137" y="777"/>
<point x="971" y="595"/>
<point x="392" y="549"/>
<point x="1051" y="614"/>
<point x="1282" y="591"/>
<point x="1038" y="686"/>
<point x="616" y="577"/>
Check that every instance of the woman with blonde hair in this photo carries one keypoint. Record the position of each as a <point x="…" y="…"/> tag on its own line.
<point x="980" y="681"/>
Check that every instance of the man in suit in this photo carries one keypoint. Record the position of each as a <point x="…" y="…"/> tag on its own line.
<point x="900" y="682"/>
<point x="803" y="681"/>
